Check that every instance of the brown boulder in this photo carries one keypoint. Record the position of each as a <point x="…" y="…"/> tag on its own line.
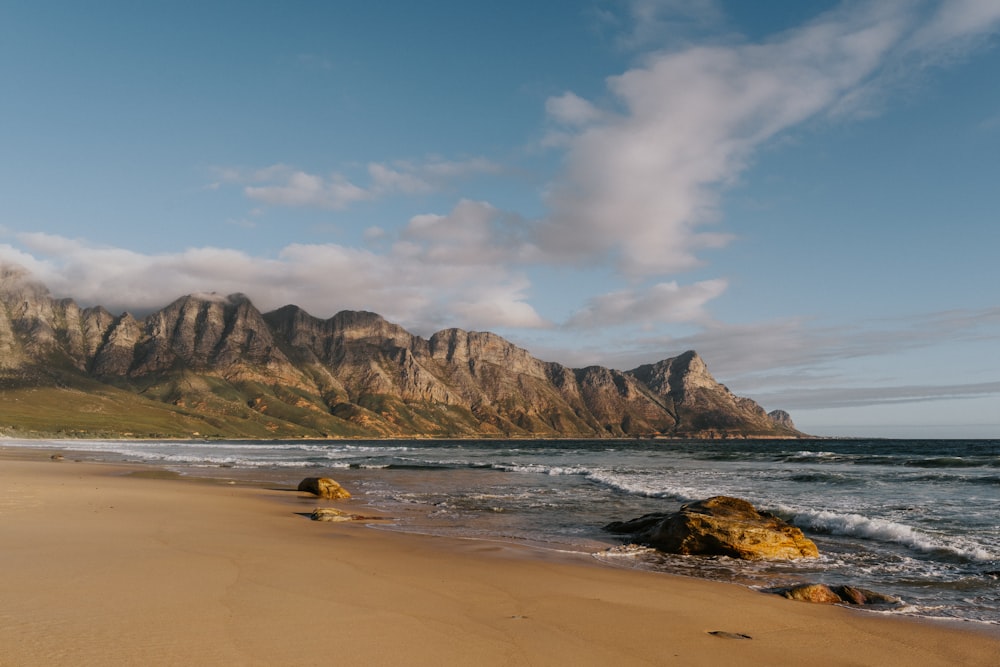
<point x="333" y="514"/>
<point x="330" y="514"/>
<point x="820" y="593"/>
<point x="720" y="526"/>
<point x="853" y="595"/>
<point x="324" y="487"/>
<point x="835" y="595"/>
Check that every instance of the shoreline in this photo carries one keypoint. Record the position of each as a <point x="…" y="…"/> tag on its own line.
<point x="102" y="564"/>
<point x="63" y="437"/>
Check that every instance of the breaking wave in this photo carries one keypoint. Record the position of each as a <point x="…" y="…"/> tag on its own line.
<point x="883" y="530"/>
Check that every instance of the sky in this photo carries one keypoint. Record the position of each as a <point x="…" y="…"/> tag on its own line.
<point x="806" y="193"/>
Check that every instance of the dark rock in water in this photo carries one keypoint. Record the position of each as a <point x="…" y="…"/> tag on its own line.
<point x="719" y="526"/>
<point x="853" y="595"/>
<point x="819" y="593"/>
<point x="324" y="487"/>
<point x="824" y="594"/>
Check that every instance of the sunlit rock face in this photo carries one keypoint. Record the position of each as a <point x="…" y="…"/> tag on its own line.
<point x="781" y="417"/>
<point x="719" y="526"/>
<point x="356" y="373"/>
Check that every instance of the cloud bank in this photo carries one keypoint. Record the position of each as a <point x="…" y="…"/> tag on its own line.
<point x="422" y="281"/>
<point x="644" y="177"/>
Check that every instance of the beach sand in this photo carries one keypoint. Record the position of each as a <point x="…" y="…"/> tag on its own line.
<point x="107" y="564"/>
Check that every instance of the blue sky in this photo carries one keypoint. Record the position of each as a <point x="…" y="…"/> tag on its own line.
<point x="804" y="192"/>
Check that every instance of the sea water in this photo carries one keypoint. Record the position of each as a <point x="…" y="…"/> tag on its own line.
<point x="918" y="519"/>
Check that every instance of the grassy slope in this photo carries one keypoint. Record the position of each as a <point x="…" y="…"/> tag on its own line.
<point x="185" y="405"/>
<point x="62" y="403"/>
<point x="84" y="408"/>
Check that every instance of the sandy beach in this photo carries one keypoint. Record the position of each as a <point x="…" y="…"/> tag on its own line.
<point x="107" y="564"/>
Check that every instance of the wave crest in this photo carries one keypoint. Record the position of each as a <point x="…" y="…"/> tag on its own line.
<point x="884" y="530"/>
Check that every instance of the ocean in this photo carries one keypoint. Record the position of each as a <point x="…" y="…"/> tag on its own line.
<point x="918" y="519"/>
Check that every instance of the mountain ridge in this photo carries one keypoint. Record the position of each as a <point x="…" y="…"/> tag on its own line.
<point x="212" y="365"/>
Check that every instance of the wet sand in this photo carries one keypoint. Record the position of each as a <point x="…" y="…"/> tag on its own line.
<point x="109" y="564"/>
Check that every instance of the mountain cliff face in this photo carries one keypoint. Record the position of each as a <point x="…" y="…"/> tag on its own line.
<point x="217" y="366"/>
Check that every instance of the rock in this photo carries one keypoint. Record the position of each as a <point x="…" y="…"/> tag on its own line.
<point x="324" y="487"/>
<point x="723" y="634"/>
<point x="719" y="526"/>
<point x="333" y="514"/>
<point x="781" y="417"/>
<point x="57" y="457"/>
<point x="820" y="593"/>
<point x="824" y="594"/>
<point x="852" y="595"/>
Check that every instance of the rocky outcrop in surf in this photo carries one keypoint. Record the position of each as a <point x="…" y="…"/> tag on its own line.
<point x="719" y="526"/>
<point x="823" y="594"/>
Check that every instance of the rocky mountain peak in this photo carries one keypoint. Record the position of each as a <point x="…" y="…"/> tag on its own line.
<point x="362" y="324"/>
<point x="781" y="417"/>
<point x="692" y="371"/>
<point x="482" y="347"/>
<point x="353" y="374"/>
<point x="677" y="374"/>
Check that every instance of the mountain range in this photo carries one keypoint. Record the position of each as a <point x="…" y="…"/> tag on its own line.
<point x="215" y="366"/>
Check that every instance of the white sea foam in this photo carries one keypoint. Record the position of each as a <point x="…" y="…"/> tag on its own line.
<point x="806" y="454"/>
<point x="635" y="483"/>
<point x="228" y="454"/>
<point x="240" y="462"/>
<point x="644" y="485"/>
<point x="884" y="530"/>
<point x="540" y="469"/>
<point x="624" y="551"/>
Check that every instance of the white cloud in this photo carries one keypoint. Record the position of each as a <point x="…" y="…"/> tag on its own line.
<point x="281" y="185"/>
<point x="827" y="398"/>
<point x="374" y="234"/>
<point x="451" y="271"/>
<point x="781" y="356"/>
<point x="473" y="233"/>
<point x="438" y="168"/>
<point x="655" y="20"/>
<point x="958" y="20"/>
<point x="648" y="22"/>
<point x="571" y="109"/>
<point x="241" y="176"/>
<point x="386" y="180"/>
<point x="303" y="189"/>
<point x="642" y="184"/>
<point x="661" y="303"/>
